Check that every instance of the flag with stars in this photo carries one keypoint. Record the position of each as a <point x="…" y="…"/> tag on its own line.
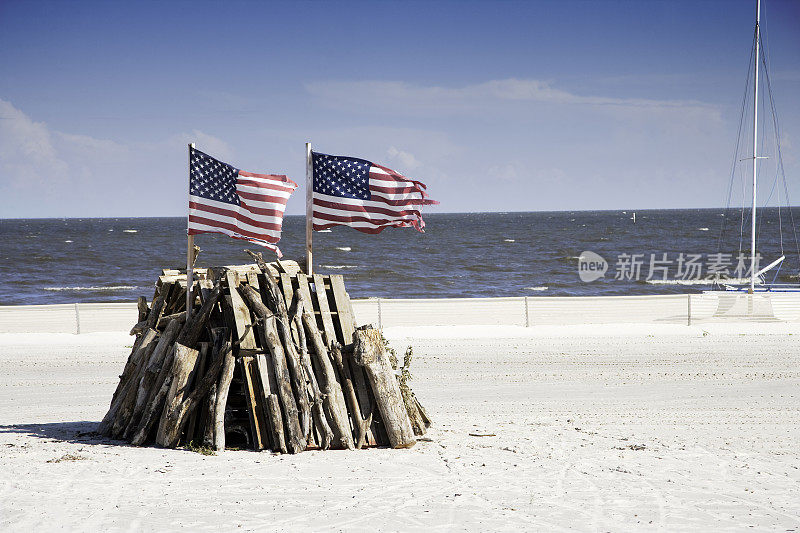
<point x="243" y="205"/>
<point x="368" y="197"/>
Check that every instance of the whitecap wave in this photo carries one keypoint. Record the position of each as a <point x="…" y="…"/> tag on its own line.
<point x="542" y="288"/>
<point x="130" y="231"/>
<point x="93" y="289"/>
<point x="509" y="240"/>
<point x="702" y="229"/>
<point x="69" y="241"/>
<point x="337" y="267"/>
<point x="324" y="231"/>
<point x="344" y="248"/>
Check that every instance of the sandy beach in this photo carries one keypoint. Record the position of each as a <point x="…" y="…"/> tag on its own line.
<point x="551" y="429"/>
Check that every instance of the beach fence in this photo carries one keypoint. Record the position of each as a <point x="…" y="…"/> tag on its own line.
<point x="528" y="311"/>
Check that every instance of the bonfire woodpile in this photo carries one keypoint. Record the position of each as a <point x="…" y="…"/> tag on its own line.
<point x="269" y="358"/>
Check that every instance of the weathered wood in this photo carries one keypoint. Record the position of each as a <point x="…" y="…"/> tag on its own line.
<point x="254" y="409"/>
<point x="265" y="384"/>
<point x="241" y="316"/>
<point x="344" y="308"/>
<point x="182" y="374"/>
<point x="141" y="305"/>
<point x="208" y="417"/>
<point x="276" y="423"/>
<point x="360" y="426"/>
<point x="299" y="379"/>
<point x="130" y="366"/>
<point x="129" y="382"/>
<point x="192" y="330"/>
<point x="150" y="374"/>
<point x="128" y="401"/>
<point x="158" y="305"/>
<point x="344" y="311"/>
<point x="155" y="402"/>
<point x="331" y="390"/>
<point x="223" y="386"/>
<point x="296" y="441"/>
<point x="178" y="417"/>
<point x="324" y="309"/>
<point x="199" y="370"/>
<point x="369" y="352"/>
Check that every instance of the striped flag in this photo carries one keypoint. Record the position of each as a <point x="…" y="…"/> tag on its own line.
<point x="354" y="192"/>
<point x="224" y="199"/>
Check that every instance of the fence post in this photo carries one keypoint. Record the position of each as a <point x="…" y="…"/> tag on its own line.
<point x="688" y="309"/>
<point x="527" y="314"/>
<point x="77" y="320"/>
<point x="380" y="318"/>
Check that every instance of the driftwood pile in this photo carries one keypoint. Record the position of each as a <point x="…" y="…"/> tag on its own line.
<point x="268" y="359"/>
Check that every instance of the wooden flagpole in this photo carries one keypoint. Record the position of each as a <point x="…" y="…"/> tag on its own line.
<point x="189" y="248"/>
<point x="309" y="207"/>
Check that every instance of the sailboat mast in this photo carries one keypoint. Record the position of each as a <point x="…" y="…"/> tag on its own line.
<point x="755" y="154"/>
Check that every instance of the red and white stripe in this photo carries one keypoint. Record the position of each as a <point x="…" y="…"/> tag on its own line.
<point x="396" y="201"/>
<point x="257" y="219"/>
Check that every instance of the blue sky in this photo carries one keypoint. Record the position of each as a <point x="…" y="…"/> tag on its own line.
<point x="497" y="106"/>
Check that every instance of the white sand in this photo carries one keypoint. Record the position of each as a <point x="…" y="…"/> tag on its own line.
<point x="648" y="428"/>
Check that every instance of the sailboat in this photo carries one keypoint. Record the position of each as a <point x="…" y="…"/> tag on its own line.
<point x="756" y="282"/>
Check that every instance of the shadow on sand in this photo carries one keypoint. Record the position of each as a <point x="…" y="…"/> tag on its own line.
<point x="82" y="432"/>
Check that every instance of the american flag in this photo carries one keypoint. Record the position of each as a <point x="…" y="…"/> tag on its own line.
<point x="243" y="205"/>
<point x="368" y="197"/>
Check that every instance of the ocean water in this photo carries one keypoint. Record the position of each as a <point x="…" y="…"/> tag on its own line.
<point x="48" y="261"/>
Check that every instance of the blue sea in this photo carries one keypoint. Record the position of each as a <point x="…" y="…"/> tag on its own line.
<point x="48" y="261"/>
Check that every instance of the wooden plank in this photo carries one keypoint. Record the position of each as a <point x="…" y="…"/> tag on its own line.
<point x="241" y="316"/>
<point x="288" y="291"/>
<point x="344" y="309"/>
<point x="328" y="331"/>
<point x="254" y="409"/>
<point x="346" y="320"/>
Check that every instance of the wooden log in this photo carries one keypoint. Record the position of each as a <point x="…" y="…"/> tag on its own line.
<point x="296" y="441"/>
<point x="128" y="381"/>
<point x="331" y="391"/>
<point x="208" y="417"/>
<point x="276" y="423"/>
<point x="128" y="401"/>
<point x="369" y="352"/>
<point x="155" y="403"/>
<point x="360" y="426"/>
<point x="192" y="330"/>
<point x="141" y="305"/>
<point x="223" y="386"/>
<point x="178" y="417"/>
<point x="322" y="430"/>
<point x="150" y="374"/>
<point x="162" y="323"/>
<point x="199" y="370"/>
<point x="158" y="305"/>
<point x="295" y="406"/>
<point x="277" y="305"/>
<point x="182" y="374"/>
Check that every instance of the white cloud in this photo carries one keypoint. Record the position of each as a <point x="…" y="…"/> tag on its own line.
<point x="27" y="155"/>
<point x="44" y="172"/>
<point x="404" y="158"/>
<point x="393" y="96"/>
